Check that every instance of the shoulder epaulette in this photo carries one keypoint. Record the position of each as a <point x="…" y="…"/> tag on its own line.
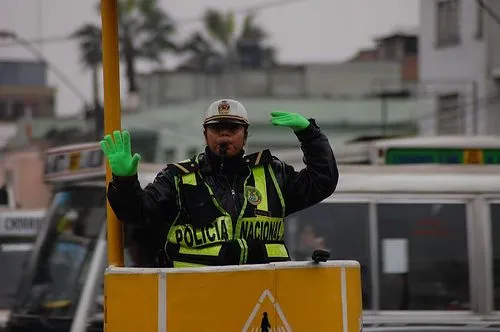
<point x="186" y="166"/>
<point x="259" y="158"/>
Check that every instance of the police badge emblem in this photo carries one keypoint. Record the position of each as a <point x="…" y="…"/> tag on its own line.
<point x="224" y="107"/>
<point x="252" y="195"/>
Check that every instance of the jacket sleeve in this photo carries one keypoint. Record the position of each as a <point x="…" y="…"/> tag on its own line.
<point x="150" y="207"/>
<point x="318" y="180"/>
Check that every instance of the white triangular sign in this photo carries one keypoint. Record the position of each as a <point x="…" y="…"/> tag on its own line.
<point x="283" y="327"/>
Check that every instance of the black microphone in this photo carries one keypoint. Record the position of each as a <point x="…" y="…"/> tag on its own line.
<point x="222" y="152"/>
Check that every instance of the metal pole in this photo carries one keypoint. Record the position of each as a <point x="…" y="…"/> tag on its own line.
<point x="384" y="116"/>
<point x="475" y="109"/>
<point x="91" y="287"/>
<point x="112" y="115"/>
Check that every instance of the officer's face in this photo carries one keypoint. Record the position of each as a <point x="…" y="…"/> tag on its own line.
<point x="226" y="134"/>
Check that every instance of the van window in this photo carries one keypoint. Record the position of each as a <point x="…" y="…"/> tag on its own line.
<point x="495" y="235"/>
<point x="144" y="143"/>
<point x="74" y="225"/>
<point x="423" y="256"/>
<point x="341" y="228"/>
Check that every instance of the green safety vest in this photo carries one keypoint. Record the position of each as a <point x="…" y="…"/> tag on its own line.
<point x="199" y="230"/>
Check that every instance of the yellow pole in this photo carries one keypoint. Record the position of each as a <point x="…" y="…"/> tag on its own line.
<point x="112" y="120"/>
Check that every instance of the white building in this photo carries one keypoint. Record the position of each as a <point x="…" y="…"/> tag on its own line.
<point x="312" y="80"/>
<point x="459" y="67"/>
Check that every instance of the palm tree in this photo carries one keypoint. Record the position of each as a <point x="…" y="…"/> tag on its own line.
<point x="254" y="35"/>
<point x="223" y="48"/>
<point x="203" y="56"/>
<point x="89" y="36"/>
<point x="90" y="46"/>
<point x="145" y="32"/>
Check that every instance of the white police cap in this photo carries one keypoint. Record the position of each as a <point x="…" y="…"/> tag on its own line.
<point x="226" y="110"/>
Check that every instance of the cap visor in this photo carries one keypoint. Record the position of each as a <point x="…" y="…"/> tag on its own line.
<point x="225" y="119"/>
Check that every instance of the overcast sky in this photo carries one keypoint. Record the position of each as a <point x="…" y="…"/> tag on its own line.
<point x="303" y="31"/>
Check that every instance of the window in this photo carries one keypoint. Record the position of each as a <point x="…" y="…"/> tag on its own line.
<point x="3" y="109"/>
<point x="450" y="115"/>
<point x="423" y="256"/>
<point x="448" y="22"/>
<point x="169" y="155"/>
<point x="479" y="21"/>
<point x="495" y="233"/>
<point x="341" y="228"/>
<point x="51" y="104"/>
<point x="17" y="110"/>
<point x="145" y="143"/>
<point x="35" y="109"/>
<point x="391" y="51"/>
<point x="191" y="152"/>
<point x="411" y="46"/>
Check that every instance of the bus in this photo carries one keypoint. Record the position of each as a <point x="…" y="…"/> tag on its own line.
<point x="455" y="150"/>
<point x="415" y="150"/>
<point x="423" y="234"/>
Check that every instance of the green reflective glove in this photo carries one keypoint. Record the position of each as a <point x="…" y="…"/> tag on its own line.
<point x="119" y="154"/>
<point x="293" y="120"/>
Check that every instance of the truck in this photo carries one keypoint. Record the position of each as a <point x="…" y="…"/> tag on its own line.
<point x="18" y="231"/>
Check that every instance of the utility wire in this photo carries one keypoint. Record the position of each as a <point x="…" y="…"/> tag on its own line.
<point x="255" y="8"/>
<point x="489" y="10"/>
<point x="65" y="79"/>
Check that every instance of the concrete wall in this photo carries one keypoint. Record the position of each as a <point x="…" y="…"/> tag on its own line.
<point x="329" y="80"/>
<point x="26" y="170"/>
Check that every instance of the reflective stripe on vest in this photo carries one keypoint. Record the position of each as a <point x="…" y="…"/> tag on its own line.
<point x="189" y="179"/>
<point x="178" y="264"/>
<point x="275" y="252"/>
<point x="259" y="177"/>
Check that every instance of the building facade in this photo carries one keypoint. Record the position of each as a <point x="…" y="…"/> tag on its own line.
<point x="391" y="66"/>
<point x="314" y="80"/>
<point x="399" y="46"/>
<point x="459" y="67"/>
<point x="24" y="91"/>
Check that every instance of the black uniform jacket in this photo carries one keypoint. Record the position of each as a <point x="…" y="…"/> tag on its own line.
<point x="154" y="208"/>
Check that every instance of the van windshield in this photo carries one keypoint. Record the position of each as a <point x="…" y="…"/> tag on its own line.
<point x="77" y="217"/>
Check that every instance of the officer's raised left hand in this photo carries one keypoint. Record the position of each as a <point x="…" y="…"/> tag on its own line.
<point x="292" y="120"/>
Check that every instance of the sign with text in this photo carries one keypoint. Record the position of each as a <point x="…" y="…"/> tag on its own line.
<point x="20" y="222"/>
<point x="74" y="161"/>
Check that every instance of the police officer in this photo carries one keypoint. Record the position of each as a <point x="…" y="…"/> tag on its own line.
<point x="222" y="207"/>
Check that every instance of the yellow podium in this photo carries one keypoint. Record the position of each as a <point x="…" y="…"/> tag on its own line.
<point x="288" y="296"/>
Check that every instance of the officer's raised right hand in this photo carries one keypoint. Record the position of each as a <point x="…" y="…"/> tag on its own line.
<point x="119" y="154"/>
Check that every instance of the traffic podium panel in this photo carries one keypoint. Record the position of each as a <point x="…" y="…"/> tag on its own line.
<point x="288" y="296"/>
